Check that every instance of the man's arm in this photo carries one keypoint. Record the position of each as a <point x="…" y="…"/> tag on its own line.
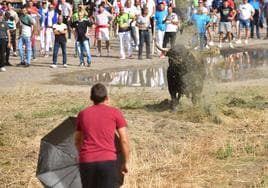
<point x="123" y="137"/>
<point x="78" y="138"/>
<point x="9" y="38"/>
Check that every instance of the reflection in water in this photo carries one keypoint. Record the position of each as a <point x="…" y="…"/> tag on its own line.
<point x="235" y="66"/>
<point x="149" y="77"/>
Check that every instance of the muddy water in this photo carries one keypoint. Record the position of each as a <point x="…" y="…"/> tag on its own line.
<point x="243" y="65"/>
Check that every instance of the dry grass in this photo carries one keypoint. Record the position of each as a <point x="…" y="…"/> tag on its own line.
<point x="183" y="149"/>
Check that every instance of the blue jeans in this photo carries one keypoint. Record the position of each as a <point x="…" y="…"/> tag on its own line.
<point x="202" y="38"/>
<point x="28" y="44"/>
<point x="81" y="46"/>
<point x="57" y="45"/>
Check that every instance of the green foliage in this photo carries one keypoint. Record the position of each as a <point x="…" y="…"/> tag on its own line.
<point x="18" y="115"/>
<point x="224" y="152"/>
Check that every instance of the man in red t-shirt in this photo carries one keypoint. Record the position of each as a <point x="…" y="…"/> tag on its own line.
<point x="94" y="140"/>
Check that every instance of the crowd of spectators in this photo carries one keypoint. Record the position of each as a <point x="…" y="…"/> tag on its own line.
<point x="55" y="22"/>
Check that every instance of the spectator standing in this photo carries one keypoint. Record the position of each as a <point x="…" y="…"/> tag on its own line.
<point x="50" y="19"/>
<point x="172" y="23"/>
<point x="82" y="41"/>
<point x="26" y="32"/>
<point x="12" y="28"/>
<point x="123" y="31"/>
<point x="226" y="18"/>
<point x="66" y="12"/>
<point x="143" y="23"/>
<point x="256" y="18"/>
<point x="131" y="10"/>
<point x="246" y="12"/>
<point x="160" y="16"/>
<point x="3" y="6"/>
<point x="94" y="139"/>
<point x="42" y="12"/>
<point x="5" y="41"/>
<point x="14" y="15"/>
<point x="201" y="21"/>
<point x="60" y="30"/>
<point x="102" y="28"/>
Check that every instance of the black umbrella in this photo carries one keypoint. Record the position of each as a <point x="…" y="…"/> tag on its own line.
<point x="57" y="164"/>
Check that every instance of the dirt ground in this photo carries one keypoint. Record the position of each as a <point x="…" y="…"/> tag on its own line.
<point x="221" y="142"/>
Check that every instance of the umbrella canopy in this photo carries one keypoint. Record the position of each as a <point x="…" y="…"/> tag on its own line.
<point x="57" y="164"/>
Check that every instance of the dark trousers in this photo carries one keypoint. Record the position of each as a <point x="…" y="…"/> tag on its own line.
<point x="58" y="45"/>
<point x="253" y="23"/>
<point x="169" y="37"/>
<point x="68" y="23"/>
<point x="99" y="174"/>
<point x="144" y="37"/>
<point x="3" y="49"/>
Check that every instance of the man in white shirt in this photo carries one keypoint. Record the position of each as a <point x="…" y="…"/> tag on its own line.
<point x="171" y="22"/>
<point x="60" y="30"/>
<point x="66" y="12"/>
<point x="130" y="9"/>
<point x="102" y="28"/>
<point x="246" y="12"/>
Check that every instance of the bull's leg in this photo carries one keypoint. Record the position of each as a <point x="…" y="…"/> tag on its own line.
<point x="194" y="99"/>
<point x="172" y="93"/>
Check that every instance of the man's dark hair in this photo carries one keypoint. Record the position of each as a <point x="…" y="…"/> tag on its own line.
<point x="98" y="93"/>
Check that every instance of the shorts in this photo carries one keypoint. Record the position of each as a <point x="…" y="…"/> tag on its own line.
<point x="225" y="26"/>
<point x="244" y="23"/>
<point x="103" y="34"/>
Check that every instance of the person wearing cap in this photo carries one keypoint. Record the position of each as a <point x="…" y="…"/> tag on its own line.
<point x="5" y="41"/>
<point x="50" y="19"/>
<point x="26" y="32"/>
<point x="122" y="22"/>
<point x="160" y="16"/>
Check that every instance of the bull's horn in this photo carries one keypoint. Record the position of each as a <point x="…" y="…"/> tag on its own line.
<point x="162" y="49"/>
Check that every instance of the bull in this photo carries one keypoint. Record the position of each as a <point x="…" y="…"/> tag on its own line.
<point x="185" y="73"/>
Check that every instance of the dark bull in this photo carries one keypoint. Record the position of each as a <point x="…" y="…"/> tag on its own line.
<point x="185" y="74"/>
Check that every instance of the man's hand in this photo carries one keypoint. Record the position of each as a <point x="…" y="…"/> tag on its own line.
<point x="124" y="169"/>
<point x="9" y="44"/>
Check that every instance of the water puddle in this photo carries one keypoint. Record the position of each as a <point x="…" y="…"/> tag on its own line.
<point x="250" y="64"/>
<point x="146" y="77"/>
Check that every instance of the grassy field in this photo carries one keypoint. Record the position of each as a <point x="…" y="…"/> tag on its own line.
<point x="222" y="142"/>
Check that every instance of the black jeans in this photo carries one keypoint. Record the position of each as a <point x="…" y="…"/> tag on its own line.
<point x="102" y="174"/>
<point x="144" y="37"/>
<point x="57" y="45"/>
<point x="169" y="37"/>
<point x="3" y="50"/>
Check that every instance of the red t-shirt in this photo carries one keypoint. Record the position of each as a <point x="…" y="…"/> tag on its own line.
<point x="98" y="124"/>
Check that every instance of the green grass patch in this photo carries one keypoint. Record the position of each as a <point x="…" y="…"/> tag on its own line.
<point x="224" y="152"/>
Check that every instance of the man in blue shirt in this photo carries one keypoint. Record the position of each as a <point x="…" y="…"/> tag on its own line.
<point x="160" y="16"/>
<point x="201" y="21"/>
